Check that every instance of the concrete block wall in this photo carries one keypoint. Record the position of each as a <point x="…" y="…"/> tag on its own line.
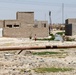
<point x="24" y="25"/>
<point x="16" y="32"/>
<point x="25" y="32"/>
<point x="68" y="29"/>
<point x="1" y="23"/>
<point x="27" y="17"/>
<point x="12" y="22"/>
<point x="73" y="29"/>
<point x="40" y="32"/>
<point x="41" y="23"/>
<point x="26" y="28"/>
<point x="70" y="21"/>
<point x="73" y="23"/>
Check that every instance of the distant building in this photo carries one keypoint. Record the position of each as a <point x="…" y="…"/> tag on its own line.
<point x="70" y="27"/>
<point x="24" y="26"/>
<point x="70" y="21"/>
<point x="58" y="26"/>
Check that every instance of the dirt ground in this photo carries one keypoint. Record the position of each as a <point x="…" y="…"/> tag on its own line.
<point x="12" y="63"/>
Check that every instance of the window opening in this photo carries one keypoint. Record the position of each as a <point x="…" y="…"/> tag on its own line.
<point x="45" y="25"/>
<point x="10" y="26"/>
<point x="16" y="25"/>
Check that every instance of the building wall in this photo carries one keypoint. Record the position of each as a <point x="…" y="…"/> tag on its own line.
<point x="1" y="23"/>
<point x="68" y="29"/>
<point x="14" y="28"/>
<point x="24" y="26"/>
<point x="41" y="24"/>
<point x="40" y="32"/>
<point x="73" y="23"/>
<point x="73" y="29"/>
<point x="13" y="23"/>
<point x="26" y="31"/>
<point x="70" y="21"/>
<point x="16" y="32"/>
<point x="26" y="17"/>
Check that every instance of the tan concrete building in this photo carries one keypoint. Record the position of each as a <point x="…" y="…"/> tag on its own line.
<point x="70" y="21"/>
<point x="24" y="26"/>
<point x="71" y="26"/>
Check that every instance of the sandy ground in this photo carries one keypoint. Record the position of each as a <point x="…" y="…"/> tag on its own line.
<point x="12" y="63"/>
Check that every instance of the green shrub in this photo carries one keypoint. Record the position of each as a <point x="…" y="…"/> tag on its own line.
<point x="43" y="70"/>
<point x="45" y="53"/>
<point x="52" y="37"/>
<point x="60" y="33"/>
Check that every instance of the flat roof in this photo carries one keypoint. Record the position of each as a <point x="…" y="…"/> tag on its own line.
<point x="26" y="12"/>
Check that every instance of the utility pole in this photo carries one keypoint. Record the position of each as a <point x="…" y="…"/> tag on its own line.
<point x="50" y="24"/>
<point x="62" y="13"/>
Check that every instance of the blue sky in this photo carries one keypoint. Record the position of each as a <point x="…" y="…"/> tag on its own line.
<point x="8" y="9"/>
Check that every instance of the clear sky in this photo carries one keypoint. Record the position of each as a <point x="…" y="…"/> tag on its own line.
<point x="8" y="9"/>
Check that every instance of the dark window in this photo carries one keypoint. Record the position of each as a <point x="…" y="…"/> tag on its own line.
<point x="10" y="26"/>
<point x="16" y="25"/>
<point x="45" y="25"/>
